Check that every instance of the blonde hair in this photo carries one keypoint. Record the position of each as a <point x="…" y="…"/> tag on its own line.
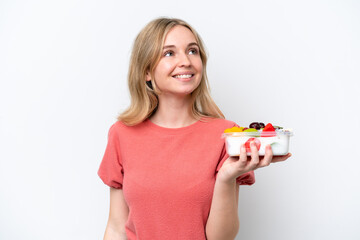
<point x="146" y="54"/>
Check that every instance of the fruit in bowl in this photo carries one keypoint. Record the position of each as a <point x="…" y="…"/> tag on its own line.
<point x="275" y="136"/>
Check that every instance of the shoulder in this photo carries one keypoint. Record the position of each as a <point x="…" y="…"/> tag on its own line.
<point x="118" y="125"/>
<point x="216" y="124"/>
<point x="119" y="128"/>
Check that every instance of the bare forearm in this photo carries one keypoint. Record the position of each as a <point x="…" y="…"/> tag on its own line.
<point x="114" y="233"/>
<point x="118" y="215"/>
<point x="223" y="221"/>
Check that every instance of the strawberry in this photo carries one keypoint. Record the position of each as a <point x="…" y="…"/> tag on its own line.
<point x="269" y="128"/>
<point x="247" y="144"/>
<point x="268" y="131"/>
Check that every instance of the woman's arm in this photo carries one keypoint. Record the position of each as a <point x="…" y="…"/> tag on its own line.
<point x="223" y="221"/>
<point x="119" y="212"/>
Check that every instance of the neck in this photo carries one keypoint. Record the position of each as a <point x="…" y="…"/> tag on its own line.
<point x="173" y="112"/>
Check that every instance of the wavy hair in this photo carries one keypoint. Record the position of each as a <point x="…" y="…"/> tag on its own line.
<point x="145" y="56"/>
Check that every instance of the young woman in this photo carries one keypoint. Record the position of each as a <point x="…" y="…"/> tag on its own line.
<point x="165" y="162"/>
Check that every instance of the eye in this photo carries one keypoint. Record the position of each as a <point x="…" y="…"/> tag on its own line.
<point x="193" y="51"/>
<point x="168" y="53"/>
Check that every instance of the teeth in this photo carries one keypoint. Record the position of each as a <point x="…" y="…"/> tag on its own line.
<point x="183" y="76"/>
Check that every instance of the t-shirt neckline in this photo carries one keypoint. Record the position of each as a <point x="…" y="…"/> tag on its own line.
<point x="166" y="130"/>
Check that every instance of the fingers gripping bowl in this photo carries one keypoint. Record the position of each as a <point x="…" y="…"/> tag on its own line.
<point x="277" y="137"/>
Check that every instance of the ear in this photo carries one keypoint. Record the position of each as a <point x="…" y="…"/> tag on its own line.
<point x="148" y="76"/>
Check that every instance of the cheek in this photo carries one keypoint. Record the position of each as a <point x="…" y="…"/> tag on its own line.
<point x="198" y="64"/>
<point x="200" y="67"/>
<point x="164" y="68"/>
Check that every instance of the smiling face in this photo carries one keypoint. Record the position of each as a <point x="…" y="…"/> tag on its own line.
<point x="179" y="70"/>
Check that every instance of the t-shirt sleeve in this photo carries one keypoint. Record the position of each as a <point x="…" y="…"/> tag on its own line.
<point x="244" y="179"/>
<point x="111" y="169"/>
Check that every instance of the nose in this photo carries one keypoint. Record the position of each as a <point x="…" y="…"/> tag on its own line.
<point x="184" y="60"/>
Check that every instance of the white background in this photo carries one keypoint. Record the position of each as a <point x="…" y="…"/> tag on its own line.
<point x="63" y="69"/>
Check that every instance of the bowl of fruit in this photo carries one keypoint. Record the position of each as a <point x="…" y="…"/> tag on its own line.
<point x="275" y="136"/>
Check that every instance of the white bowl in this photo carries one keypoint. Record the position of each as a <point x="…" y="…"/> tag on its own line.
<point x="279" y="141"/>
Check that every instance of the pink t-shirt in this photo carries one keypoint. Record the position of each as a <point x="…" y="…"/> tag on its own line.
<point x="167" y="176"/>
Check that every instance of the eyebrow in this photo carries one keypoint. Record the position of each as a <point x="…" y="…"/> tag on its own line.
<point x="189" y="45"/>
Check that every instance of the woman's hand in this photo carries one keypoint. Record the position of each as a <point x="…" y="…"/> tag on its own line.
<point x="233" y="167"/>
